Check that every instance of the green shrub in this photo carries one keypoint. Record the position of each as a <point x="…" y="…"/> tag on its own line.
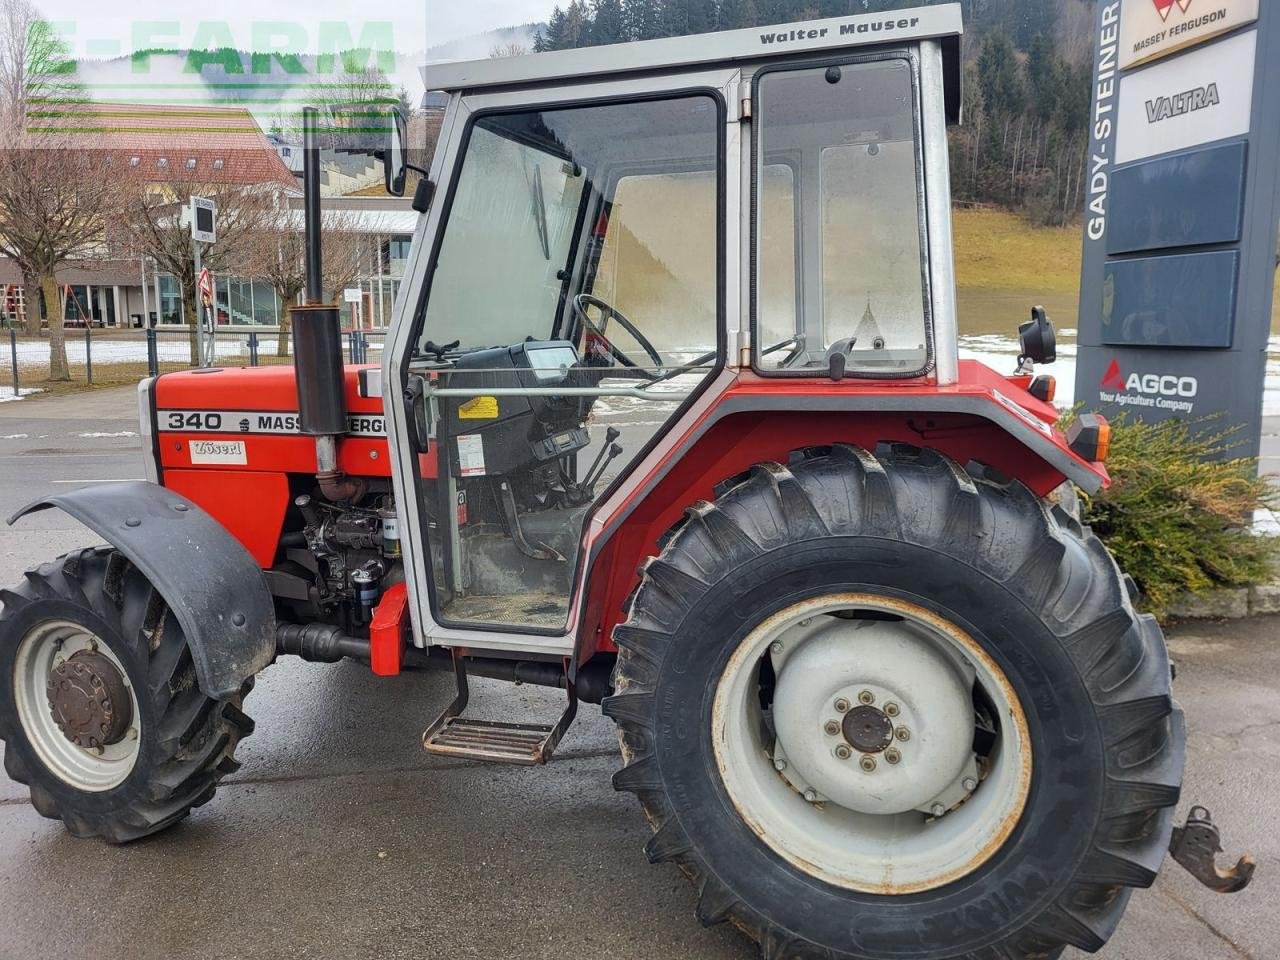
<point x="1178" y="513"/>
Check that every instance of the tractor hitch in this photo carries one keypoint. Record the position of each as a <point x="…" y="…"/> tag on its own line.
<point x="1196" y="846"/>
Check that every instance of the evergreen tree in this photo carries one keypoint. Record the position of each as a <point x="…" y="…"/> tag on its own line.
<point x="735" y="14"/>
<point x="641" y="19"/>
<point x="998" y="73"/>
<point x="673" y="18"/>
<point x="1044" y="76"/>
<point x="577" y="26"/>
<point x="553" y="37"/>
<point x="701" y="16"/>
<point x="607" y="23"/>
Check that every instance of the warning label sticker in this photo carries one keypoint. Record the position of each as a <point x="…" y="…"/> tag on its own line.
<point x="481" y="408"/>
<point x="471" y="455"/>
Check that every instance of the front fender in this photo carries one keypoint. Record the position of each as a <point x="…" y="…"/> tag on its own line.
<point x="213" y="585"/>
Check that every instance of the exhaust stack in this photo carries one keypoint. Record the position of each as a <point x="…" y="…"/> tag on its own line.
<point x="317" y="343"/>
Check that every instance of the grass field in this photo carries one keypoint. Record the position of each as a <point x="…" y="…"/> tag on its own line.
<point x="1002" y="251"/>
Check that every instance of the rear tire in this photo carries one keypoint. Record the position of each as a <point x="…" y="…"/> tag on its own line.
<point x="1036" y="591"/>
<point x="179" y="744"/>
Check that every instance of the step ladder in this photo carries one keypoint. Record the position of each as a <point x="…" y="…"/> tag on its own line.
<point x="522" y="744"/>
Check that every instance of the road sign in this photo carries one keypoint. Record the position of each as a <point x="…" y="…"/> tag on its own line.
<point x="205" y="286"/>
<point x="202" y="214"/>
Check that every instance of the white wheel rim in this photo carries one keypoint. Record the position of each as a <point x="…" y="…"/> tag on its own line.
<point x="89" y="770"/>
<point x="862" y="830"/>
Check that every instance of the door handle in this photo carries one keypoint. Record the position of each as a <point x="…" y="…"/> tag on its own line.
<point x="415" y="408"/>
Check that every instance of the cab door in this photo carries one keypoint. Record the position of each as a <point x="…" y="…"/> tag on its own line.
<point x="564" y="308"/>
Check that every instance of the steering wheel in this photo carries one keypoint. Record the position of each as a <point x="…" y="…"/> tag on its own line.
<point x="598" y="328"/>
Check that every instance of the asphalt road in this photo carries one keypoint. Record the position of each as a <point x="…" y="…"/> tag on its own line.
<point x="340" y="838"/>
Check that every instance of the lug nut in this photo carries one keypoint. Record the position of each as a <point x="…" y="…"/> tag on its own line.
<point x="970" y="784"/>
<point x="892" y="709"/>
<point x="868" y="764"/>
<point x="811" y="796"/>
<point x="893" y="756"/>
<point x="779" y="765"/>
<point x="842" y="705"/>
<point x="903" y="734"/>
<point x="866" y="697"/>
<point x="832" y="728"/>
<point x="939" y="810"/>
<point x="843" y="752"/>
<point x="777" y="649"/>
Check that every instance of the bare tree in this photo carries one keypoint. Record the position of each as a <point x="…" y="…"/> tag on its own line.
<point x="504" y="50"/>
<point x="152" y="221"/>
<point x="275" y="253"/>
<point x="34" y="68"/>
<point x="55" y="205"/>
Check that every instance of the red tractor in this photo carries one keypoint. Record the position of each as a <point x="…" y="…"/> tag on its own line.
<point x="671" y="417"/>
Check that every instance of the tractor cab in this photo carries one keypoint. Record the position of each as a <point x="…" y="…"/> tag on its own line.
<point x="613" y="240"/>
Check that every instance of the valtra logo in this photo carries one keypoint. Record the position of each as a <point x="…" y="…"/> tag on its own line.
<point x="1165" y="7"/>
<point x="1160" y="391"/>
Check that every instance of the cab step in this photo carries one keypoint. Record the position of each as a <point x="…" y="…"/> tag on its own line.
<point x="492" y="741"/>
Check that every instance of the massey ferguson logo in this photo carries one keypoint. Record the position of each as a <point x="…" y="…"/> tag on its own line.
<point x="1165" y="7"/>
<point x="1160" y="391"/>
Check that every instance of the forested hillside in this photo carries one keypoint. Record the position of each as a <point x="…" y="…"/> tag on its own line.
<point x="1027" y="72"/>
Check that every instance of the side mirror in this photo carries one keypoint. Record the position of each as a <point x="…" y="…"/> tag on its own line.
<point x="1038" y="339"/>
<point x="394" y="156"/>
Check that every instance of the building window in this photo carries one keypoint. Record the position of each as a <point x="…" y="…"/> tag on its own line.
<point x="170" y="299"/>
<point x="265" y="304"/>
<point x="191" y="163"/>
<point x="134" y="161"/>
<point x="218" y="164"/>
<point x="395" y="251"/>
<point x="162" y="163"/>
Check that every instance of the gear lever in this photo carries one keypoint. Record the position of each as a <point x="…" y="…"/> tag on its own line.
<point x="594" y="476"/>
<point x="612" y="434"/>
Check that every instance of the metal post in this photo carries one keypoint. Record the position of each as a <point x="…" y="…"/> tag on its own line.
<point x="153" y="355"/>
<point x="13" y="347"/>
<point x="253" y="347"/>
<point x="199" y="317"/>
<point x="146" y="308"/>
<point x="88" y="350"/>
<point x="156" y="279"/>
<point x="311" y="204"/>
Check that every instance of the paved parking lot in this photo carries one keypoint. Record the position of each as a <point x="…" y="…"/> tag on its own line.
<point x="340" y="838"/>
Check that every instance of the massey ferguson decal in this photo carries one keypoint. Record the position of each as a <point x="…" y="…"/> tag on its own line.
<point x="366" y="425"/>
<point x="1156" y="28"/>
<point x="1170" y="392"/>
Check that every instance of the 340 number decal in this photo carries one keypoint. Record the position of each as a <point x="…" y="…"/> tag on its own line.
<point x="195" y="421"/>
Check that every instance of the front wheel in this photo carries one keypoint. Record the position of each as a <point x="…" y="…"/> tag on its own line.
<point x="100" y="711"/>
<point x="877" y="708"/>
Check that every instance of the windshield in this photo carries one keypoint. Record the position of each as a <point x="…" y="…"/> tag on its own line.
<point x="510" y="232"/>
<point x="539" y="209"/>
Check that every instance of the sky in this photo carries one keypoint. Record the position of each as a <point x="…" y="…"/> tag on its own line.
<point x="95" y="29"/>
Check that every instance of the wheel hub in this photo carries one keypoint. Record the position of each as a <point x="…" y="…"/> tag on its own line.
<point x="89" y="700"/>
<point x="873" y="716"/>
<point x="867" y="729"/>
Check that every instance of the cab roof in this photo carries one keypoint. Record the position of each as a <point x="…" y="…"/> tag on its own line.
<point x="942" y="22"/>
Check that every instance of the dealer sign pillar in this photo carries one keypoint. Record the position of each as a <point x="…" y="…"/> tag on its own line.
<point x="1183" y="209"/>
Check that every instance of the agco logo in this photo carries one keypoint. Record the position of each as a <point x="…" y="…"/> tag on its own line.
<point x="1165" y="7"/>
<point x="1164" y="391"/>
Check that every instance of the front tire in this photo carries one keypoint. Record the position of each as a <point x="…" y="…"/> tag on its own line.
<point x="100" y="711"/>
<point x="887" y="547"/>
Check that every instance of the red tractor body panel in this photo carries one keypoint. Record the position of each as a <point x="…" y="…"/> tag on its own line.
<point x="756" y="419"/>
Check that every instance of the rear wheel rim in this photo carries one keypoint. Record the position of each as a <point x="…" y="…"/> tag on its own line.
<point x="41" y="651"/>
<point x="826" y="776"/>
